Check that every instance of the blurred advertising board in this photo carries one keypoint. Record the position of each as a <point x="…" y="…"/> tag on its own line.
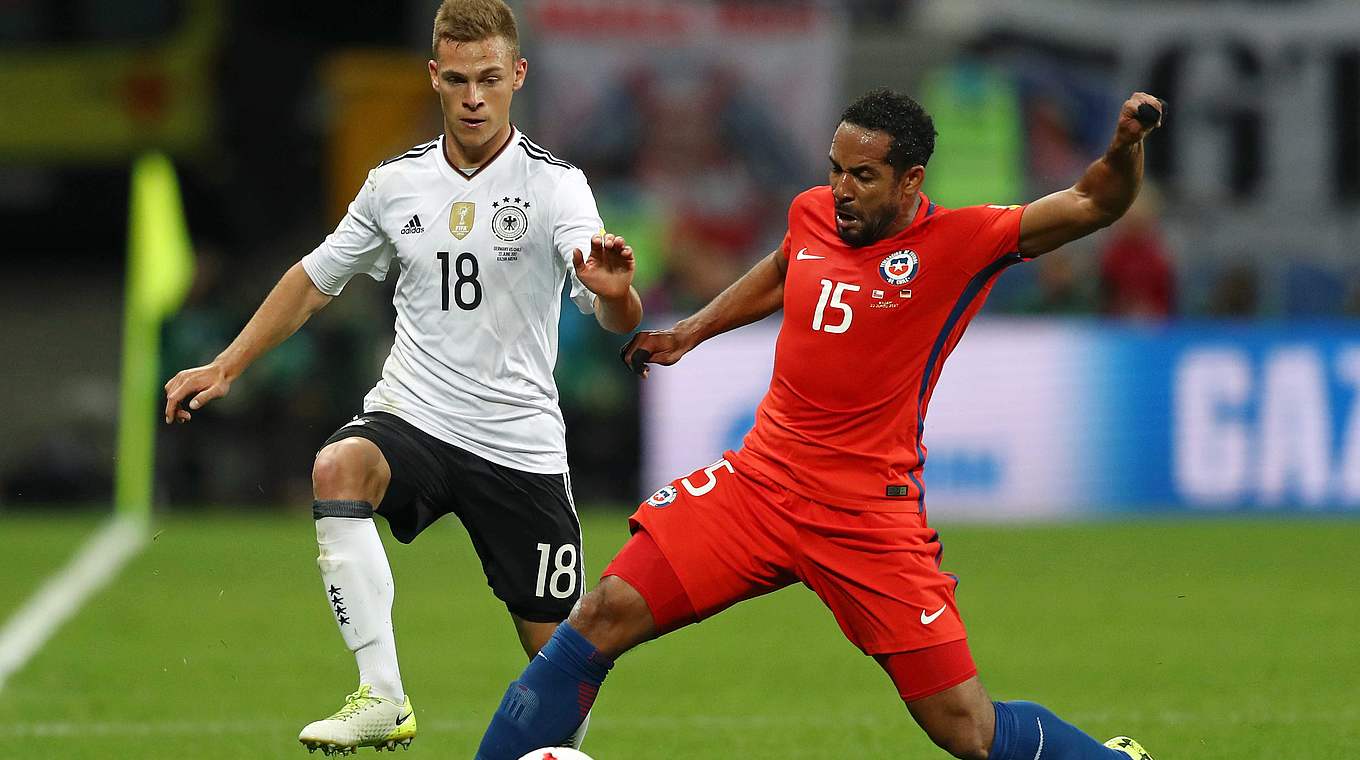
<point x="1259" y="157"/>
<point x="1037" y="418"/>
<point x="113" y="82"/>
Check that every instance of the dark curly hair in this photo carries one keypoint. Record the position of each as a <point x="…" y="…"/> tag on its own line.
<point x="901" y="118"/>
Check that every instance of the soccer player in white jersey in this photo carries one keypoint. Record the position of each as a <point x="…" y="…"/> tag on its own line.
<point x="485" y="228"/>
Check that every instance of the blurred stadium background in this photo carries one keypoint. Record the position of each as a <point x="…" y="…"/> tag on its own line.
<point x="1156" y="429"/>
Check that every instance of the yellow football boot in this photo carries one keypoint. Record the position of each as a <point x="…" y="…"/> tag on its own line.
<point x="1129" y="747"/>
<point x="364" y="721"/>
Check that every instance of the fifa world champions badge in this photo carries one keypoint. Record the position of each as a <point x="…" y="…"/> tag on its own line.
<point x="900" y="267"/>
<point x="461" y="218"/>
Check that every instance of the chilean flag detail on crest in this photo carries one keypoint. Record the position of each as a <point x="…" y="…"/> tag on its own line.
<point x="663" y="497"/>
<point x="900" y="267"/>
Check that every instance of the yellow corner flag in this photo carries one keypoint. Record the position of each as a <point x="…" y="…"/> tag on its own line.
<point x="160" y="268"/>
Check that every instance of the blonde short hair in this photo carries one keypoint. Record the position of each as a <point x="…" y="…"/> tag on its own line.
<point x="473" y="21"/>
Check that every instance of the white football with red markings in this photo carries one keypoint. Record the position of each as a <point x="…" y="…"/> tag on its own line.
<point x="556" y="753"/>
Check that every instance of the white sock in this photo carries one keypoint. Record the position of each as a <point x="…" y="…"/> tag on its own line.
<point x="359" y="590"/>
<point x="580" y="736"/>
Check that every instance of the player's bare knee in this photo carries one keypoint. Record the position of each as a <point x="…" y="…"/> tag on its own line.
<point x="587" y="617"/>
<point x="332" y="474"/>
<point x="612" y="616"/>
<point x="348" y="469"/>
<point x="595" y="617"/>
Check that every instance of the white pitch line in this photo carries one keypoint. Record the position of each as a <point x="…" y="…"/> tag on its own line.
<point x="61" y="596"/>
<point x="134" y="728"/>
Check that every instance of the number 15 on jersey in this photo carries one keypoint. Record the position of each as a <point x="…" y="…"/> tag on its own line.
<point x="831" y="299"/>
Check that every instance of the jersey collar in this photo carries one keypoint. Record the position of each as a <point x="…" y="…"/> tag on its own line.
<point x="923" y="210"/>
<point x="452" y="172"/>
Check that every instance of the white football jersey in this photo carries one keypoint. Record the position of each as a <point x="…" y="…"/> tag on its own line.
<point x="482" y="260"/>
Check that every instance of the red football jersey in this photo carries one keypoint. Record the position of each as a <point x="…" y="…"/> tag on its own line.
<point x="865" y="334"/>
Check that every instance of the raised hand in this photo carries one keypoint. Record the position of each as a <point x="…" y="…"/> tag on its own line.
<point x="203" y="384"/>
<point x="608" y="272"/>
<point x="1134" y="126"/>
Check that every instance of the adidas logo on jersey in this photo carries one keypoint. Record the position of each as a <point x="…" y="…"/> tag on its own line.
<point x="413" y="227"/>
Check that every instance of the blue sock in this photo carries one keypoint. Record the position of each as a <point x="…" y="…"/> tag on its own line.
<point x="550" y="699"/>
<point x="1027" y="731"/>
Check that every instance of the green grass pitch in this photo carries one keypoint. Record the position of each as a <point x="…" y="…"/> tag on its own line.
<point x="1207" y="640"/>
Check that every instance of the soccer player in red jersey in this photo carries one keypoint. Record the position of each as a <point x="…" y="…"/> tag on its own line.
<point x="877" y="284"/>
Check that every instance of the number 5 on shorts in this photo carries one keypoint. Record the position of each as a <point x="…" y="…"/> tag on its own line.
<point x="565" y="568"/>
<point x="710" y="471"/>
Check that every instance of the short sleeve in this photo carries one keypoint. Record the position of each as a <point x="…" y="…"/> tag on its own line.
<point x="357" y="246"/>
<point x="576" y="219"/>
<point x="995" y="233"/>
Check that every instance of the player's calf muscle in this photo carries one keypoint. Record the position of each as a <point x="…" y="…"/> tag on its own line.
<point x="961" y="736"/>
<point x="960" y="720"/>
<point x="353" y="469"/>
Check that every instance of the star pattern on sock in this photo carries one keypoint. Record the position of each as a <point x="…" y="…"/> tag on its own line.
<point x="338" y="602"/>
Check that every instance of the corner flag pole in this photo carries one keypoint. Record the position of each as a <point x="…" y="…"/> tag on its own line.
<point x="160" y="268"/>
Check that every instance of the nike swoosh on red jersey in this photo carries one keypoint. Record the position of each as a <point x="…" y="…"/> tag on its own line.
<point x="803" y="255"/>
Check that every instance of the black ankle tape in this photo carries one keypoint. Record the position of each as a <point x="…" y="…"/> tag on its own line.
<point x="341" y="508"/>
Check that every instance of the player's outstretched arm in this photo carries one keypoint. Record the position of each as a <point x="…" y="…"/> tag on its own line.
<point x="608" y="273"/>
<point x="290" y="304"/>
<point x="758" y="294"/>
<point x="1103" y="193"/>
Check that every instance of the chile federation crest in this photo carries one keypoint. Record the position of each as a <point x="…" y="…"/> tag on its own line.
<point x="900" y="267"/>
<point x="663" y="498"/>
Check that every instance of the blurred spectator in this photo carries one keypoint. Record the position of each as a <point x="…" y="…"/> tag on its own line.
<point x="1351" y="308"/>
<point x="869" y="13"/>
<point x="1136" y="277"/>
<point x="1236" y="292"/>
<point x="979" y="150"/>
<point x="1056" y="155"/>
<point x="1310" y="289"/>
<point x="708" y="158"/>
<point x="1057" y="287"/>
<point x="65" y="468"/>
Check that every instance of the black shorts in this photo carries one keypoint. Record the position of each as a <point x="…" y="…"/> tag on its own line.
<point x="523" y="524"/>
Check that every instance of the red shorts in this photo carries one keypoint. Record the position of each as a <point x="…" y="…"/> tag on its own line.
<point x="731" y="535"/>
